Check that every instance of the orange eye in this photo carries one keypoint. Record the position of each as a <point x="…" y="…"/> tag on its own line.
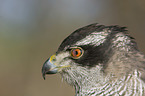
<point x="76" y="53"/>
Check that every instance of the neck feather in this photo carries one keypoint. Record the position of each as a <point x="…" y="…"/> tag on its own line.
<point x="128" y="85"/>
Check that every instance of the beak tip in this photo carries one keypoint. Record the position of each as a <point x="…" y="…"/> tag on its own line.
<point x="44" y="77"/>
<point x="43" y="73"/>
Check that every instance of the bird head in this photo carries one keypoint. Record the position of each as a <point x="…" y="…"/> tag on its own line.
<point x="90" y="53"/>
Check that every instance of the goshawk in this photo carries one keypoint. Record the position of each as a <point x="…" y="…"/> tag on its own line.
<point x="100" y="60"/>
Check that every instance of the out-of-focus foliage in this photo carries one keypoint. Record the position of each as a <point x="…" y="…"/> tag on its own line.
<point x="32" y="30"/>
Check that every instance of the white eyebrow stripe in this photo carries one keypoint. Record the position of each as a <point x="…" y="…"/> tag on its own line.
<point x="95" y="38"/>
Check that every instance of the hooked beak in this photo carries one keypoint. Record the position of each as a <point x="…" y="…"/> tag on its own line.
<point x="49" y="67"/>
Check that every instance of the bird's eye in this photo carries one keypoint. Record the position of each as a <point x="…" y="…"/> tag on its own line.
<point x="76" y="52"/>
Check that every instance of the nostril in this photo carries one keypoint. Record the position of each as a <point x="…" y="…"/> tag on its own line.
<point x="54" y="59"/>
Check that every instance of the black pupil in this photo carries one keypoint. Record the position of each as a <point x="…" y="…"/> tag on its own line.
<point x="76" y="52"/>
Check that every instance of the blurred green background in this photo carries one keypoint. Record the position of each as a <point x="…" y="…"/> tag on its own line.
<point x="32" y="30"/>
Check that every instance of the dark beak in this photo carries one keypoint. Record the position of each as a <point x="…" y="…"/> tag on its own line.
<point x="48" y="68"/>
